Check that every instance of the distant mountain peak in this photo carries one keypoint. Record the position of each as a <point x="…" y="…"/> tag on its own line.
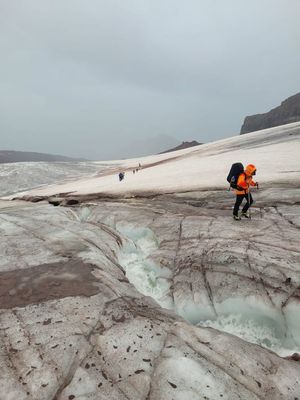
<point x="146" y="146"/>
<point x="183" y="145"/>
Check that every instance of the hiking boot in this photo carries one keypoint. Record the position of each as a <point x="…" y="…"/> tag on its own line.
<point x="245" y="215"/>
<point x="237" y="218"/>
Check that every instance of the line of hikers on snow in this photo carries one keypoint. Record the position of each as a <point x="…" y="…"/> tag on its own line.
<point x="240" y="180"/>
<point x="122" y="174"/>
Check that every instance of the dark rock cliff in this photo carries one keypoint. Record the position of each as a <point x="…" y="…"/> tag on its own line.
<point x="286" y="113"/>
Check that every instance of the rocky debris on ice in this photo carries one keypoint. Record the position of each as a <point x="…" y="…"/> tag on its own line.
<point x="130" y="298"/>
<point x="77" y="329"/>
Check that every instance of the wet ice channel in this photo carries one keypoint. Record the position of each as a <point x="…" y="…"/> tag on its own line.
<point x="148" y="278"/>
<point x="247" y="322"/>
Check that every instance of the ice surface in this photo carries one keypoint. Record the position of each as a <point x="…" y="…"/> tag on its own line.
<point x="192" y="311"/>
<point x="149" y="278"/>
<point x="251" y="319"/>
<point x="293" y="321"/>
<point x="16" y="177"/>
<point x="259" y="331"/>
<point x="185" y="251"/>
<point x="82" y="384"/>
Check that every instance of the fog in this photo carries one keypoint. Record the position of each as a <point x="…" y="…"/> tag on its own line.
<point x="107" y="79"/>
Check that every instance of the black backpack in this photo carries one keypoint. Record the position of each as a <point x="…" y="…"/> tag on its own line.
<point x="235" y="171"/>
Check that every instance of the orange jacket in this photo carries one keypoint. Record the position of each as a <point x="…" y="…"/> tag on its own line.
<point x="245" y="180"/>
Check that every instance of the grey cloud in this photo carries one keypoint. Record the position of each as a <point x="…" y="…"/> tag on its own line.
<point x="86" y="78"/>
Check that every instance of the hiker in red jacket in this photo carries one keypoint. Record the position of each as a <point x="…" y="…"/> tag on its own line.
<point x="243" y="192"/>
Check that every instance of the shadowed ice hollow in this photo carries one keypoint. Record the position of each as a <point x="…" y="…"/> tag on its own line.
<point x="250" y="320"/>
<point x="148" y="278"/>
<point x="259" y="331"/>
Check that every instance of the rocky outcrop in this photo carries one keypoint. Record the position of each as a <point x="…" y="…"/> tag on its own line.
<point x="286" y="113"/>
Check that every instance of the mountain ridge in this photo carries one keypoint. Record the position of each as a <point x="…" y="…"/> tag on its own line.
<point x="183" y="145"/>
<point x="11" y="156"/>
<point x="288" y="112"/>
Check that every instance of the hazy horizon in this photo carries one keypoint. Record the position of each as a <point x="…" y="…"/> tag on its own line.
<point x="101" y="80"/>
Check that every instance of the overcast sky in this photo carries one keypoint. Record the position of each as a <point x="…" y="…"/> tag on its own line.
<point x="92" y="78"/>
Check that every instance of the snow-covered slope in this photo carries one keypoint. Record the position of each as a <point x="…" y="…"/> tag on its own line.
<point x="274" y="151"/>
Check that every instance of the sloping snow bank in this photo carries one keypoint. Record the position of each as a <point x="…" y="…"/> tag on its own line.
<point x="274" y="151"/>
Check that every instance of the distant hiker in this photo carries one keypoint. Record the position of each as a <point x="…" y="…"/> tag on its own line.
<point x="242" y="190"/>
<point x="133" y="171"/>
<point x="121" y="176"/>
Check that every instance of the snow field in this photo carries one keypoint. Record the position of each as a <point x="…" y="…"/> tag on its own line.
<point x="200" y="168"/>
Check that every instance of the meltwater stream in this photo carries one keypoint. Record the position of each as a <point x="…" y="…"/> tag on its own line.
<point x="154" y="281"/>
<point x="148" y="278"/>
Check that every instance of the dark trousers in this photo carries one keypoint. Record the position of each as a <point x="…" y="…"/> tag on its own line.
<point x="238" y="202"/>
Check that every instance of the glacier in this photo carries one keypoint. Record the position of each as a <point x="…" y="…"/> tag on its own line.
<point x="147" y="289"/>
<point x="21" y="176"/>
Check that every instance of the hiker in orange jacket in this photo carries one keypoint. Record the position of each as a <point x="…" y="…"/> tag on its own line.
<point x="243" y="184"/>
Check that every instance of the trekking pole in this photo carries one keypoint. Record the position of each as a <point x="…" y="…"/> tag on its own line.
<point x="249" y="202"/>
